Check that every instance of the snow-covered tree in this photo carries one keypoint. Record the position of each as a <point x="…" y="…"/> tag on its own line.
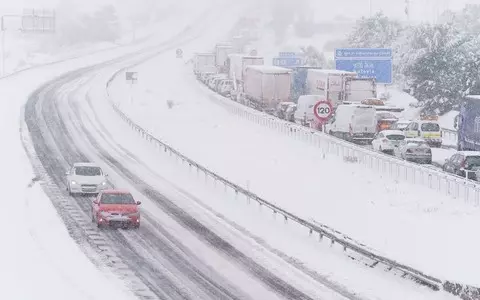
<point x="377" y="31"/>
<point x="313" y="57"/>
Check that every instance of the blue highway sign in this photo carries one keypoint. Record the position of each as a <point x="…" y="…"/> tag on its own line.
<point x="367" y="63"/>
<point x="287" y="62"/>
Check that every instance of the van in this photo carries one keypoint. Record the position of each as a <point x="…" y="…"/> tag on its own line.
<point x="354" y="123"/>
<point x="430" y="131"/>
<point x="304" y="112"/>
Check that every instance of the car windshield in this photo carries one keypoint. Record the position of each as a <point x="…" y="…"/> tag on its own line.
<point x="117" y="199"/>
<point x="473" y="160"/>
<point x="396" y="137"/>
<point x="88" y="171"/>
<point x="430" y="127"/>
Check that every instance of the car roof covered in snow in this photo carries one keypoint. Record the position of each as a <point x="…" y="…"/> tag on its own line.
<point x="469" y="153"/>
<point x="269" y="69"/>
<point x="415" y="140"/>
<point x="85" y="164"/>
<point x="388" y="131"/>
<point x="115" y="191"/>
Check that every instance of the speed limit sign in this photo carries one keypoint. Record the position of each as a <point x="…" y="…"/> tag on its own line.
<point x="323" y="110"/>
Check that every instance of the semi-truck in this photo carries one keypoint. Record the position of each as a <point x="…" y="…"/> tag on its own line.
<point x="339" y="86"/>
<point x="266" y="86"/>
<point x="204" y="63"/>
<point x="238" y="62"/>
<point x="468" y="133"/>
<point x="222" y="50"/>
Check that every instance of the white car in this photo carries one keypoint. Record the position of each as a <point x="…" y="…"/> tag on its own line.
<point x="85" y="178"/>
<point x="388" y="140"/>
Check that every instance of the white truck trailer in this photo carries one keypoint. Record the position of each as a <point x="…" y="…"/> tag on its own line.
<point x="339" y="86"/>
<point x="222" y="50"/>
<point x="266" y="86"/>
<point x="238" y="62"/>
<point x="204" y="63"/>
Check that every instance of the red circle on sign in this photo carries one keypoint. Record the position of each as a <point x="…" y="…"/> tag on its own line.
<point x="323" y="110"/>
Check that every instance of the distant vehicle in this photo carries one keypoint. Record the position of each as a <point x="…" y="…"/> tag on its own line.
<point x="204" y="76"/>
<point x="464" y="164"/>
<point x="85" y="178"/>
<point x="401" y="124"/>
<point x="222" y="50"/>
<point x="385" y="120"/>
<point x="225" y="87"/>
<point x="204" y="62"/>
<point x="290" y="113"/>
<point x="415" y="150"/>
<point x="304" y="112"/>
<point x="282" y="108"/>
<point x="215" y="82"/>
<point x="239" y="62"/>
<point x="117" y="209"/>
<point x="354" y="123"/>
<point x="388" y="140"/>
<point x="468" y="124"/>
<point x="429" y="130"/>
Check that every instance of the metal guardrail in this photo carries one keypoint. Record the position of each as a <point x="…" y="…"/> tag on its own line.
<point x="395" y="168"/>
<point x="323" y="231"/>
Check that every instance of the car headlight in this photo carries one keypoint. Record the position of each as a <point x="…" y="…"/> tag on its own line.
<point x="104" y="214"/>
<point x="73" y="182"/>
<point x="104" y="183"/>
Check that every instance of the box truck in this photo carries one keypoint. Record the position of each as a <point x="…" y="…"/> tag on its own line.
<point x="204" y="63"/>
<point x="238" y="62"/>
<point x="266" y="86"/>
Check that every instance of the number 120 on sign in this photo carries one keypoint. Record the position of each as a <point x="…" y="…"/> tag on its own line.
<point x="323" y="110"/>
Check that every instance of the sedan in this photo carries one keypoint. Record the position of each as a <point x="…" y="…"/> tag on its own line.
<point x="388" y="140"/>
<point x="85" y="178"/>
<point x="415" y="150"/>
<point x="116" y="208"/>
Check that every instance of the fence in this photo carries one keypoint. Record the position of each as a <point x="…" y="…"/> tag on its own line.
<point x="395" y="168"/>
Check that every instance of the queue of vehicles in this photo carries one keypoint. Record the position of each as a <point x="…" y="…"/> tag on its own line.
<point x="359" y="115"/>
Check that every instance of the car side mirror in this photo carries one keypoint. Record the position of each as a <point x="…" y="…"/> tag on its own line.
<point x="138" y="202"/>
<point x="67" y="173"/>
<point x="96" y="202"/>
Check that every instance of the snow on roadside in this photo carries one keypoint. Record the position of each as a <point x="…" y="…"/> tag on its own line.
<point x="38" y="258"/>
<point x="297" y="178"/>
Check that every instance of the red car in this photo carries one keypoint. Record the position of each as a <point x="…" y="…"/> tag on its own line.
<point x="116" y="208"/>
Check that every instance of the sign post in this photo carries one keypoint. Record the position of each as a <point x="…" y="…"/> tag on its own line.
<point x="179" y="53"/>
<point x="132" y="78"/>
<point x="367" y="63"/>
<point x="288" y="60"/>
<point x="323" y="110"/>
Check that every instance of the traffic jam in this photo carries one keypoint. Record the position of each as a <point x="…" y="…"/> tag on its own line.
<point x="344" y="104"/>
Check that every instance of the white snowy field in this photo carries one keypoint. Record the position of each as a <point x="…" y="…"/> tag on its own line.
<point x="39" y="259"/>
<point x="408" y="223"/>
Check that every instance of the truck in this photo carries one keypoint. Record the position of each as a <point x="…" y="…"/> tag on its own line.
<point x="266" y="86"/>
<point x="238" y="62"/>
<point x="340" y="86"/>
<point x="204" y="63"/>
<point x="468" y="133"/>
<point x="299" y="82"/>
<point x="222" y="50"/>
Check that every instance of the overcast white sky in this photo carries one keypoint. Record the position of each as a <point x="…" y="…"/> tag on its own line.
<point x="421" y="10"/>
